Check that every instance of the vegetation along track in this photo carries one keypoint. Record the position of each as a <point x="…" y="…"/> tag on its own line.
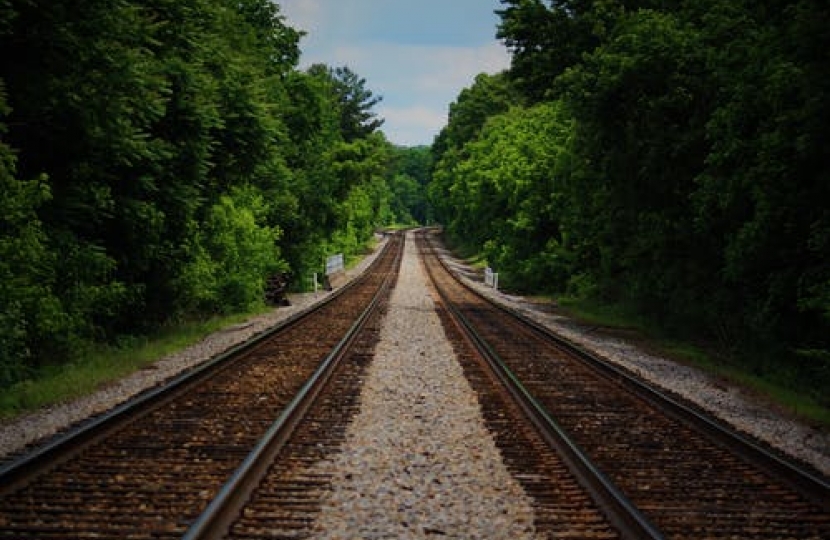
<point x="284" y="500"/>
<point x="688" y="476"/>
<point x="149" y="469"/>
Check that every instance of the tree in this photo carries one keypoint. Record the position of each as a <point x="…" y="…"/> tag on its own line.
<point x="543" y="42"/>
<point x="137" y="119"/>
<point x="338" y="166"/>
<point x="409" y="176"/>
<point x="758" y="198"/>
<point x="641" y="107"/>
<point x="697" y="164"/>
<point x="33" y="319"/>
<point x="353" y="100"/>
<point x="233" y="253"/>
<point x="509" y="195"/>
<point x="489" y="95"/>
<point x="85" y="93"/>
<point x="176" y="157"/>
<point x="357" y="120"/>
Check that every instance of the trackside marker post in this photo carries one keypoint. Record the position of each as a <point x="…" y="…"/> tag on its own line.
<point x="491" y="279"/>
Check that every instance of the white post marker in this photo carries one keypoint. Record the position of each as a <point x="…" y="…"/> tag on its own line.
<point x="491" y="279"/>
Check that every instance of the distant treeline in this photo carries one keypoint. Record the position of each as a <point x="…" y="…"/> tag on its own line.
<point x="160" y="159"/>
<point x="671" y="157"/>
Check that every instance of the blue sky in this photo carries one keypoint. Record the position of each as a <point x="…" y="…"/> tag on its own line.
<point x="416" y="54"/>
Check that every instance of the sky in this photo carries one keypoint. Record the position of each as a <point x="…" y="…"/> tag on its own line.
<point x="417" y="55"/>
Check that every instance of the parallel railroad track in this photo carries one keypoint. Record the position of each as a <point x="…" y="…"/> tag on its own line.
<point x="150" y="468"/>
<point x="687" y="476"/>
<point x="282" y="498"/>
<point x="235" y="457"/>
<point x="283" y="501"/>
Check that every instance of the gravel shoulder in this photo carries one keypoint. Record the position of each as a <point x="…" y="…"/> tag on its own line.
<point x="733" y="405"/>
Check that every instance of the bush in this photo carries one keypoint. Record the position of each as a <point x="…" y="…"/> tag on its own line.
<point x="232" y="256"/>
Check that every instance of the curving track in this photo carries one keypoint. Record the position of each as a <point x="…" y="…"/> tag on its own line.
<point x="150" y="469"/>
<point x="690" y="478"/>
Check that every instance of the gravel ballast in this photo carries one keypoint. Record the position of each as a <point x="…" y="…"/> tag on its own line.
<point x="733" y="405"/>
<point x="389" y="479"/>
<point x="418" y="460"/>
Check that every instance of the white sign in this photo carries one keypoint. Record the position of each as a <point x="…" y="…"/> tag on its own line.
<point x="334" y="264"/>
<point x="491" y="279"/>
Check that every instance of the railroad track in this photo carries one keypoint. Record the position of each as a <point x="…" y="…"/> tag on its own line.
<point x="150" y="468"/>
<point x="281" y="498"/>
<point x="237" y="459"/>
<point x="682" y="473"/>
<point x="278" y="492"/>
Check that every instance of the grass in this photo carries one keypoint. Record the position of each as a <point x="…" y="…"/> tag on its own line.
<point x="777" y="388"/>
<point x="597" y="314"/>
<point x="104" y="364"/>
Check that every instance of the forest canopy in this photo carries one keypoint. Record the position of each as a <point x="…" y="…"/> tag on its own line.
<point x="160" y="159"/>
<point x="669" y="158"/>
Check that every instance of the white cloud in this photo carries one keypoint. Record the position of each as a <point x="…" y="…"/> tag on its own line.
<point x="417" y="81"/>
<point x="454" y="68"/>
<point x="446" y="66"/>
<point x="408" y="126"/>
<point x="308" y="15"/>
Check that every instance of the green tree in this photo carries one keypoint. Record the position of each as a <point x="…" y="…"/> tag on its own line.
<point x="512" y="184"/>
<point x="339" y="163"/>
<point x="408" y="178"/>
<point x="758" y="199"/>
<point x="697" y="164"/>
<point x="85" y="91"/>
<point x="489" y="95"/>
<point x="357" y="120"/>
<point x="178" y="158"/>
<point x="353" y="101"/>
<point x="640" y="104"/>
<point x="359" y="167"/>
<point x="143" y="117"/>
<point x="33" y="319"/>
<point x="233" y="253"/>
<point x="544" y="40"/>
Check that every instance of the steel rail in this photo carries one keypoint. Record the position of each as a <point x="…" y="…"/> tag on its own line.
<point x="620" y="511"/>
<point x="218" y="516"/>
<point x="810" y="484"/>
<point x="806" y="482"/>
<point x="63" y="446"/>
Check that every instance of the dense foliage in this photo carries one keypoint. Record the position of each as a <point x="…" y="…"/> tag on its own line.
<point x="159" y="159"/>
<point x="669" y="157"/>
<point x="411" y="174"/>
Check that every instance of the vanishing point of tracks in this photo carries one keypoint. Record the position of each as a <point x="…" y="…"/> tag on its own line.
<point x="229" y="452"/>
